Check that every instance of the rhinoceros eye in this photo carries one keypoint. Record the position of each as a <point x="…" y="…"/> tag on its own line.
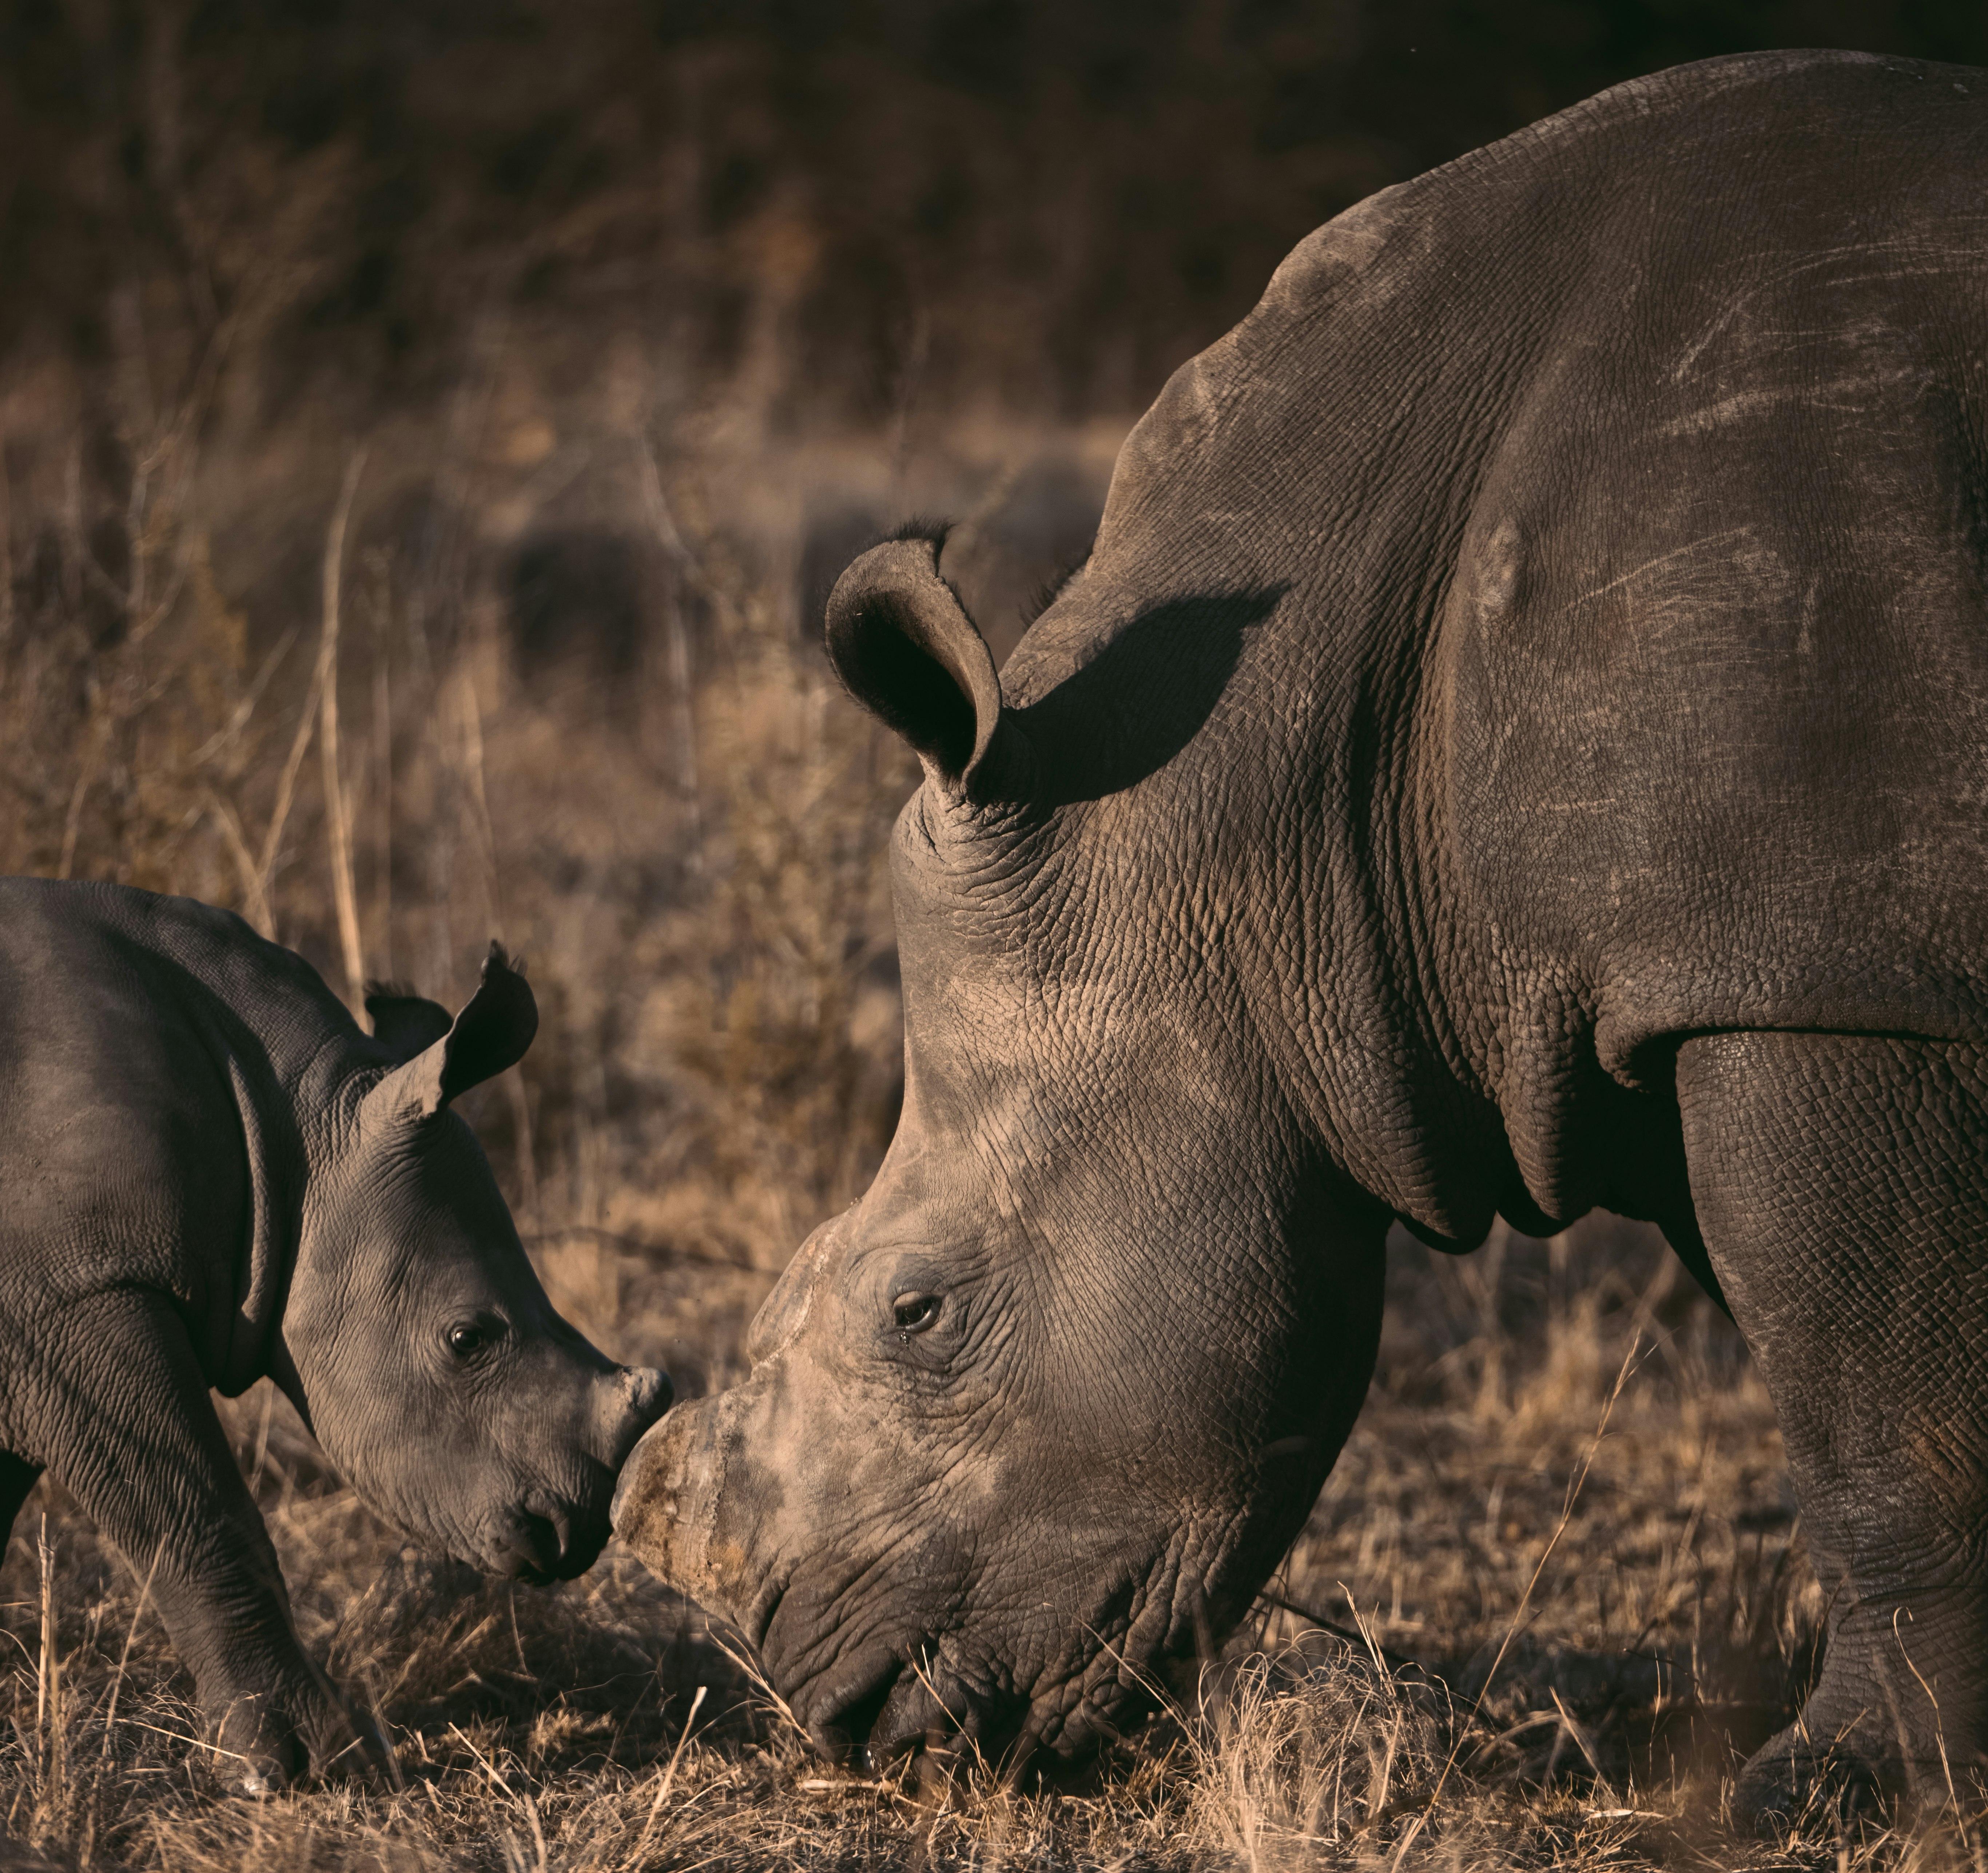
<point x="468" y="1338"/>
<point x="915" y="1313"/>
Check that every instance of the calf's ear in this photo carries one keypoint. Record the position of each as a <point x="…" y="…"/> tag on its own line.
<point x="905" y="649"/>
<point x="491" y="1032"/>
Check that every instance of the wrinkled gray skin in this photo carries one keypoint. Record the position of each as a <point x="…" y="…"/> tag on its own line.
<point x="1519" y="743"/>
<point x="212" y="1174"/>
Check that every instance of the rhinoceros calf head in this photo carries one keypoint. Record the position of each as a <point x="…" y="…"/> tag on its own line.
<point x="1041" y="1412"/>
<point x="419" y="1345"/>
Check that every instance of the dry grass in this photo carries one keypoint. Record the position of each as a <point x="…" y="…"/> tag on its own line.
<point x="683" y="829"/>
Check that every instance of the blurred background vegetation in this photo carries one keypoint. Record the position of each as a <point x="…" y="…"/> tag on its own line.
<point x="429" y="431"/>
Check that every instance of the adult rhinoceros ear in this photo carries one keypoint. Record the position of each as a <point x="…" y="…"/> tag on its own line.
<point x="905" y="649"/>
<point x="404" y="1021"/>
<point x="491" y="1032"/>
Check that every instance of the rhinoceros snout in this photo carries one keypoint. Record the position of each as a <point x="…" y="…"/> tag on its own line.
<point x="556" y="1527"/>
<point x="641" y="1476"/>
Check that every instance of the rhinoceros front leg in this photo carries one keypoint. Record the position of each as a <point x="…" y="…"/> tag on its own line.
<point x="1841" y="1184"/>
<point x="127" y="1425"/>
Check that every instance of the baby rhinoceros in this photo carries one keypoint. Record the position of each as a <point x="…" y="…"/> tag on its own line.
<point x="212" y="1174"/>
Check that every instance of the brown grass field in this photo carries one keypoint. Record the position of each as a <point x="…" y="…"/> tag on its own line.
<point x="1358" y="1721"/>
<point x="535" y="661"/>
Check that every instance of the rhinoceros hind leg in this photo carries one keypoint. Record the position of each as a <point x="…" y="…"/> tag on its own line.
<point x="1841" y="1183"/>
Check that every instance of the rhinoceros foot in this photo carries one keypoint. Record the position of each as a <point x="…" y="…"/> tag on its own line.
<point x="1790" y="1785"/>
<point x="267" y="1742"/>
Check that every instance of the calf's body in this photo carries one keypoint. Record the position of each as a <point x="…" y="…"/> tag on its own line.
<point x="210" y="1175"/>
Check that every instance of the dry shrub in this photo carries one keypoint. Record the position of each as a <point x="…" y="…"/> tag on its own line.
<point x="1321" y="1745"/>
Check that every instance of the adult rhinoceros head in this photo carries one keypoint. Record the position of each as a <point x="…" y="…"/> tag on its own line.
<point x="1043" y="1408"/>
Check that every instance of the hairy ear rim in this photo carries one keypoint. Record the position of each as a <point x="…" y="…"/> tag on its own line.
<point x="494" y="1029"/>
<point x="406" y="1022"/>
<point x="491" y="1032"/>
<point x="902" y="643"/>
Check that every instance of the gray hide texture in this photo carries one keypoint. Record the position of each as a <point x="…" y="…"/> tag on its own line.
<point x="212" y="1174"/>
<point x="1518" y="745"/>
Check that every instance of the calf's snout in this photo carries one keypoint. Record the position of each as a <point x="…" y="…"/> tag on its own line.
<point x="626" y="1402"/>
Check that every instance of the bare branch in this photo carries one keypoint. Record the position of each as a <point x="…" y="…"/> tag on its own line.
<point x="344" y="891"/>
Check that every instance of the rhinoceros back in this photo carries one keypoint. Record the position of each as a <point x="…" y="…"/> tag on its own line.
<point x="1716" y="651"/>
<point x="1622" y="493"/>
<point x="154" y="1054"/>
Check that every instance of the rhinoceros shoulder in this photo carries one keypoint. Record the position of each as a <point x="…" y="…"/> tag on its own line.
<point x="188" y="950"/>
<point x="1647" y="443"/>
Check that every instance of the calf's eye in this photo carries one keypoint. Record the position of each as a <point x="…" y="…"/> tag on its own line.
<point x="915" y="1313"/>
<point x="471" y="1336"/>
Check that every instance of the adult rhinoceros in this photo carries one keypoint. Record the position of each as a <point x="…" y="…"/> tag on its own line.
<point x="1519" y="743"/>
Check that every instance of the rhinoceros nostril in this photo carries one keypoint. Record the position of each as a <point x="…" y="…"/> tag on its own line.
<point x="538" y="1544"/>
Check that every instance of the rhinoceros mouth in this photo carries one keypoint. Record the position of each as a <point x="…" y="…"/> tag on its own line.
<point x="844" y="1729"/>
<point x="903" y="1709"/>
<point x="544" y="1540"/>
<point x="531" y="1552"/>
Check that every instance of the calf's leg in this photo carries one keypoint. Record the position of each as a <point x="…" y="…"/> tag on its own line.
<point x="126" y="1423"/>
<point x="1840" y="1184"/>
